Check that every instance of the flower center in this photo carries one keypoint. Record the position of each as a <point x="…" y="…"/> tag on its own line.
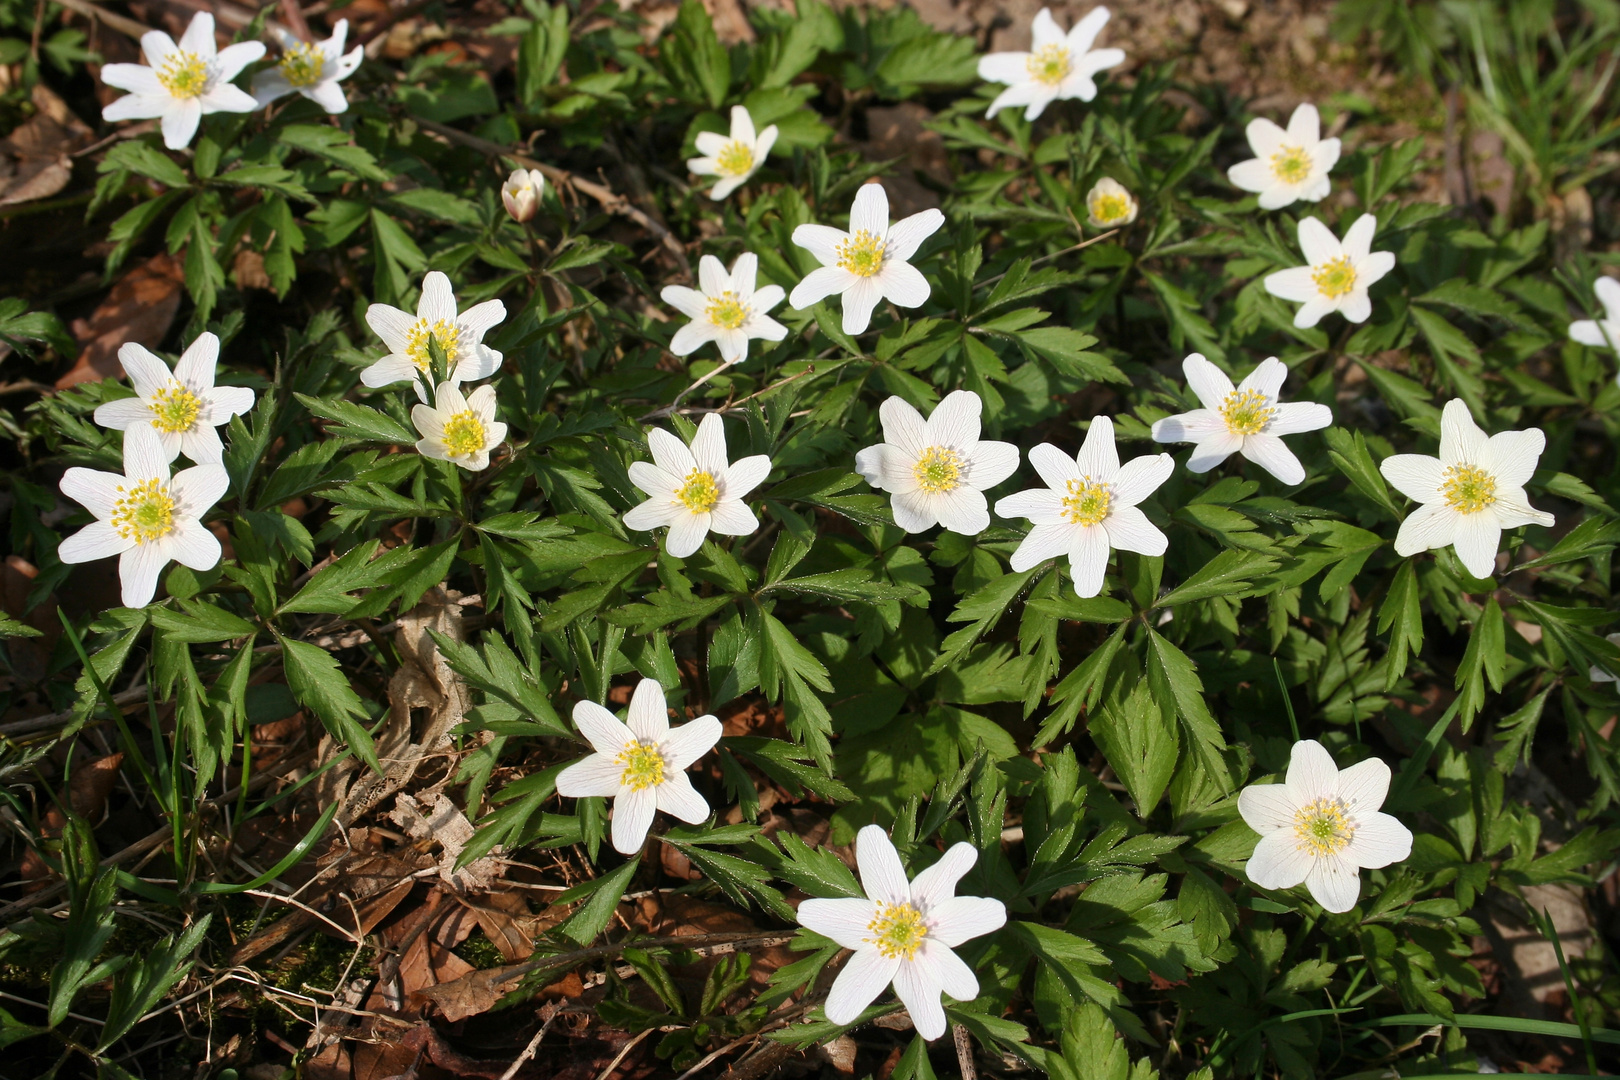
<point x="897" y="930"/>
<point x="736" y="159"/>
<point x="183" y="74"/>
<point x="174" y="409"/>
<point x="1291" y="164"/>
<point x="1246" y="412"/>
<point x="302" y="65"/>
<point x="1468" y="488"/>
<point x="416" y="342"/>
<point x="144" y="512"/>
<point x="938" y="470"/>
<point x="1087" y="501"/>
<point x="643" y="765"/>
<point x="861" y="253"/>
<point x="1110" y="208"/>
<point x="464" y="434"/>
<point x="1322" y="827"/>
<point x="699" y="492"/>
<point x="1334" y="278"/>
<point x="1050" y="64"/>
<point x="726" y="311"/>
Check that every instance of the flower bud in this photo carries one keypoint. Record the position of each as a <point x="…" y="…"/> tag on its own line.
<point x="1109" y="205"/>
<point x="521" y="193"/>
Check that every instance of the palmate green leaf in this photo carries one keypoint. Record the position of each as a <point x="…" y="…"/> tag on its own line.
<point x="496" y="670"/>
<point x="84" y="937"/>
<point x="142" y="984"/>
<point x="1231" y="573"/>
<point x="1483" y="660"/>
<point x="601" y="898"/>
<point x="1349" y="452"/>
<point x="1178" y="690"/>
<point x="983" y="609"/>
<point x="741" y="880"/>
<point x="1140" y="743"/>
<point x="356" y="422"/>
<point x="1401" y="616"/>
<point x="318" y="682"/>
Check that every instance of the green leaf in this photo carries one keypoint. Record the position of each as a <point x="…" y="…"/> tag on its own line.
<point x="1401" y="615"/>
<point x="1177" y="689"/>
<point x="1348" y="450"/>
<point x="318" y="682"/>
<point x="360" y="423"/>
<point x="1140" y="742"/>
<point x="1232" y="573"/>
<point x="601" y="896"/>
<point x="141" y="985"/>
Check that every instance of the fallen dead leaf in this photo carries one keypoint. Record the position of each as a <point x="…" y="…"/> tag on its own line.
<point x="92" y="782"/>
<point x="36" y="159"/>
<point x="140" y="308"/>
<point x="441" y="819"/>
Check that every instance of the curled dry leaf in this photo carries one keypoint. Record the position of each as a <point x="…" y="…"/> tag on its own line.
<point x="140" y="309"/>
<point x="36" y="159"/>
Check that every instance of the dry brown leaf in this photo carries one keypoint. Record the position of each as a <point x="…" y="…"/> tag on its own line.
<point x="140" y="308"/>
<point x="30" y="657"/>
<point x="439" y="818"/>
<point x="508" y="924"/>
<point x="35" y="159"/>
<point x="92" y="782"/>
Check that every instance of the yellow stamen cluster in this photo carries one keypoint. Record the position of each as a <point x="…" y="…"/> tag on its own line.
<point x="1087" y="501"/>
<point x="1323" y="827"/>
<point x="726" y="311"/>
<point x="302" y="65"/>
<point x="416" y="342"/>
<point x="464" y="434"/>
<point x="1110" y="208"/>
<point x="938" y="470"/>
<point x="1468" y="488"/>
<point x="735" y="159"/>
<point x="643" y="765"/>
<point x="174" y="409"/>
<point x="1291" y="164"/>
<point x="897" y="930"/>
<point x="1050" y="64"/>
<point x="861" y="253"/>
<point x="184" y="74"/>
<point x="144" y="512"/>
<point x="699" y="492"/>
<point x="1247" y="412"/>
<point x="1334" y="278"/>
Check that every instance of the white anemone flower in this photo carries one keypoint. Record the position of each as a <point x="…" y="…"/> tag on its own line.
<point x="461" y="430"/>
<point x="1597" y="674"/>
<point x="733" y="160"/>
<point x="694" y="490"/>
<point x="183" y="83"/>
<point x="1338" y="276"/>
<point x="314" y="69"/>
<point x="640" y="763"/>
<point x="1470" y="493"/>
<point x="1248" y="419"/>
<point x="937" y="469"/>
<point x="460" y="336"/>
<point x="143" y="516"/>
<point x="1057" y="67"/>
<point x="1110" y="205"/>
<point x="184" y="406"/>
<point x="868" y="263"/>
<point x="1088" y="506"/>
<point x="728" y="310"/>
<point x="521" y="193"/>
<point x="1321" y="826"/>
<point x="903" y="932"/>
<point x="1605" y="332"/>
<point x="1287" y="165"/>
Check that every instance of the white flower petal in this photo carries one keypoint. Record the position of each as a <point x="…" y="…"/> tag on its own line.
<point x="860" y="298"/>
<point x="1004" y="67"/>
<point x="1279" y="862"/>
<point x="954" y="421"/>
<point x="943" y="968"/>
<point x="1364" y="786"/>
<point x="678" y="798"/>
<point x="1311" y="772"/>
<point x="1140" y="477"/>
<point x="1294" y="417"/>
<point x="902" y="284"/>
<point x="1211" y="452"/>
<point x="192" y="545"/>
<point x="1461" y="440"/>
<point x="604" y="731"/>
<point x="866" y="974"/>
<point x="1334" y="883"/>
<point x="138" y="570"/>
<point x="1043" y="542"/>
<point x="633" y="813"/>
<point x="1379" y="841"/>
<point x="914" y="511"/>
<point x="881" y="873"/>
<point x="93" y="489"/>
<point x="908" y="234"/>
<point x="821" y="283"/>
<point x="1200" y="425"/>
<point x="1098" y="457"/>
<point x="1267" y="377"/>
<point x="989" y="463"/>
<point x="1317" y="242"/>
<point x="670" y="453"/>
<point x="1272" y="454"/>
<point x="731" y="518"/>
<point x="745" y="474"/>
<point x="1428" y="527"/>
<point x="1208" y="382"/>
<point x="98" y="540"/>
<point x="1042" y="506"/>
<point x="1265" y="137"/>
<point x="709" y="445"/>
<point x="1129" y="530"/>
<point x="844" y="919"/>
<point x="937" y="884"/>
<point x="1265" y="808"/>
<point x="648" y="714"/>
<point x="920" y="995"/>
<point x="1088" y="559"/>
<point x="689" y="742"/>
<point x="1514" y="455"/>
<point x="1417" y="476"/>
<point x="963" y="918"/>
<point x="1477" y="539"/>
<point x="594" y="775"/>
<point x="1296" y="284"/>
<point x="686" y="534"/>
<point x="870" y="210"/>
